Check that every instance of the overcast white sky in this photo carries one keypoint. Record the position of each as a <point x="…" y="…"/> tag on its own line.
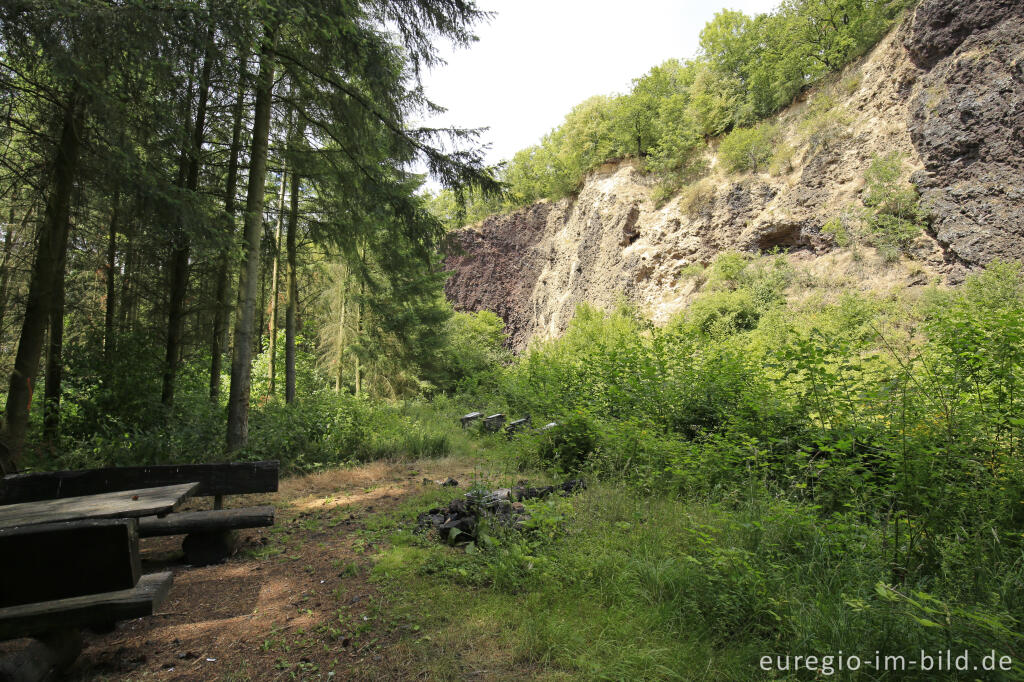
<point x="536" y="59"/>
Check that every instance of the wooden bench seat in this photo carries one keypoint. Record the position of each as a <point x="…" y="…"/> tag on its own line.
<point x="181" y="523"/>
<point x="85" y="610"/>
<point x="215" y="480"/>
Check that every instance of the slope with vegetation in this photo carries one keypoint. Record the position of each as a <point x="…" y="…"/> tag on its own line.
<point x="747" y="70"/>
<point x="870" y="179"/>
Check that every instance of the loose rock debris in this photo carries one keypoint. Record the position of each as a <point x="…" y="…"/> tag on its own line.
<point x="457" y="523"/>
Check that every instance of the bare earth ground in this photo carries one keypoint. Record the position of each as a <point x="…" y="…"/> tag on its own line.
<point x="294" y="603"/>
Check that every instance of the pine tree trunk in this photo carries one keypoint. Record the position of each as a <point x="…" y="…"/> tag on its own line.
<point x="261" y="306"/>
<point x="5" y="264"/>
<point x="129" y="299"/>
<point x="111" y="307"/>
<point x="341" y="338"/>
<point x="241" y="360"/>
<point x="359" y="335"/>
<point x="359" y="320"/>
<point x="54" y="364"/>
<point x="182" y="246"/>
<point x="275" y="287"/>
<point x="293" y="295"/>
<point x="223" y="311"/>
<point x="53" y="242"/>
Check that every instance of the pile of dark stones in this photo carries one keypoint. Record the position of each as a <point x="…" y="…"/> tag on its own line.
<point x="457" y="523"/>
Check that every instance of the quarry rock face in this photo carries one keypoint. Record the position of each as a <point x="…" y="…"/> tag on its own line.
<point x="967" y="123"/>
<point x="944" y="90"/>
<point x="938" y="27"/>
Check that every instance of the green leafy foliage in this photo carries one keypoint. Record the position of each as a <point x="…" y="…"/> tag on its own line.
<point x="748" y="149"/>
<point x="748" y="68"/>
<point x="894" y="217"/>
<point x="890" y="217"/>
<point x="860" y="456"/>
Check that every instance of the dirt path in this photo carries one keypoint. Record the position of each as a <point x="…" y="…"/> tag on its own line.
<point x="294" y="603"/>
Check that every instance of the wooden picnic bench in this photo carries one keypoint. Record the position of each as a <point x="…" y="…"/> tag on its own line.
<point x="210" y="534"/>
<point x="73" y="562"/>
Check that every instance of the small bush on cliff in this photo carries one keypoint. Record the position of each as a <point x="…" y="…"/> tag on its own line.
<point x="698" y="199"/>
<point x="825" y="124"/>
<point x="890" y="217"/>
<point x="893" y="216"/>
<point x="748" y="149"/>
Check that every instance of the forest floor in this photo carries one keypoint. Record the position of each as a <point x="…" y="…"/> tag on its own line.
<point x="298" y="600"/>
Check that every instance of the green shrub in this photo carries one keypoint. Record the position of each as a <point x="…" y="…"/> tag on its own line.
<point x="724" y="312"/>
<point x="824" y="125"/>
<point x="748" y="149"/>
<point x="893" y="216"/>
<point x="568" y="446"/>
<point x="698" y="198"/>
<point x="782" y="160"/>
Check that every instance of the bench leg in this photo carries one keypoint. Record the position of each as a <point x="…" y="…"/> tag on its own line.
<point x="210" y="547"/>
<point x="43" y="659"/>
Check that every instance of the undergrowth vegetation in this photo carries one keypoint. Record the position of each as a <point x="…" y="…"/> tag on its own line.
<point x="766" y="478"/>
<point x="769" y="475"/>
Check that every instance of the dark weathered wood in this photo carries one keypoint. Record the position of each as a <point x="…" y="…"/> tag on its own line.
<point x="516" y="426"/>
<point x="77" y="612"/>
<point x="42" y="659"/>
<point x="206" y="521"/>
<point x="467" y="419"/>
<point x="202" y="549"/>
<point x="494" y="422"/>
<point x="127" y="503"/>
<point x="59" y="560"/>
<point x="214" y="479"/>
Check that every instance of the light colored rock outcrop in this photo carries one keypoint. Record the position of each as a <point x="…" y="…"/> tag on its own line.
<point x="611" y="242"/>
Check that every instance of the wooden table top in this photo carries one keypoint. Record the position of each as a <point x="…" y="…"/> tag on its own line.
<point x="123" y="504"/>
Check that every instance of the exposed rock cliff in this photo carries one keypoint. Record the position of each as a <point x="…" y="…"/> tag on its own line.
<point x="944" y="89"/>
<point x="967" y="124"/>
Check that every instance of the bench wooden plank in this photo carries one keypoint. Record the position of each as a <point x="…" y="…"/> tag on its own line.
<point x="128" y="503"/>
<point x="207" y="521"/>
<point x="465" y="420"/>
<point x="76" y="612"/>
<point x="59" y="560"/>
<point x="494" y="422"/>
<point x="234" y="478"/>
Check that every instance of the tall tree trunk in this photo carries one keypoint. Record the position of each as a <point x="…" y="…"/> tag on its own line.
<point x="182" y="245"/>
<point x="223" y="311"/>
<point x="241" y="359"/>
<point x="261" y="306"/>
<point x="359" y="335"/>
<point x="129" y="297"/>
<point x="111" y="308"/>
<point x="341" y="336"/>
<point x="54" y="363"/>
<point x="359" y="319"/>
<point x="53" y="242"/>
<point x="275" y="287"/>
<point x="5" y="264"/>
<point x="293" y="295"/>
